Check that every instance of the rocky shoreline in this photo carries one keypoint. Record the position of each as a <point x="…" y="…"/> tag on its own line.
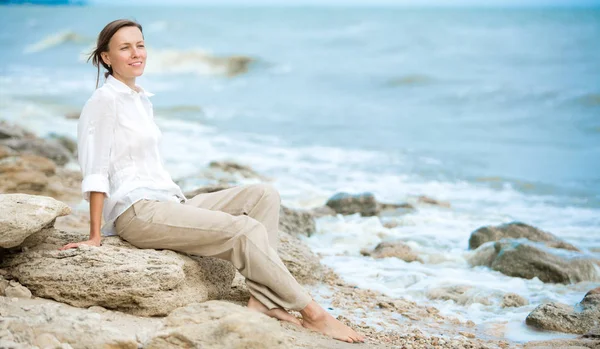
<point x="118" y="296"/>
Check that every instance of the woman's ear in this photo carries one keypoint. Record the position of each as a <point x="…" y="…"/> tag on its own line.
<point x="105" y="58"/>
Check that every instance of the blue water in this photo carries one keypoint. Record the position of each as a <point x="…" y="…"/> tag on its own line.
<point x="496" y="111"/>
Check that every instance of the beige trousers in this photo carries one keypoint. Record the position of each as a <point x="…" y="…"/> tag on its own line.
<point x="239" y="224"/>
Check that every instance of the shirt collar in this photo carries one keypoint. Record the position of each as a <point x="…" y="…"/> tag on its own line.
<point x="119" y="86"/>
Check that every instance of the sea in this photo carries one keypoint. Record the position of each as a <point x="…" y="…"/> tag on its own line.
<point x="495" y="111"/>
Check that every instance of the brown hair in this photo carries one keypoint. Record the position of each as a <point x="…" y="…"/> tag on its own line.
<point x="102" y="44"/>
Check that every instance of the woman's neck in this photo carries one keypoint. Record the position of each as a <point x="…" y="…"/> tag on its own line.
<point x="127" y="81"/>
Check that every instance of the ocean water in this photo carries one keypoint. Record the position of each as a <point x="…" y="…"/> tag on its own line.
<point x="495" y="111"/>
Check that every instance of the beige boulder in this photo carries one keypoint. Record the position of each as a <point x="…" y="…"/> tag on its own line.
<point x="513" y="300"/>
<point x="40" y="323"/>
<point x="37" y="175"/>
<point x="296" y="222"/>
<point x="21" y="215"/>
<point x="396" y="249"/>
<point x="565" y="318"/>
<point x="525" y="259"/>
<point x="219" y="325"/>
<point x="516" y="230"/>
<point x="48" y="148"/>
<point x="116" y="275"/>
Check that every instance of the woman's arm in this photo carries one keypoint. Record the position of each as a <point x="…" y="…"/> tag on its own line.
<point x="96" y="203"/>
<point x="95" y="133"/>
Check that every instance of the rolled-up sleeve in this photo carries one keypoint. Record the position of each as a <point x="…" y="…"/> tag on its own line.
<point x="95" y="135"/>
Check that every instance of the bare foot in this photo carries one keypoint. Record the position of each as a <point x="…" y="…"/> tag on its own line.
<point x="317" y="319"/>
<point x="277" y="313"/>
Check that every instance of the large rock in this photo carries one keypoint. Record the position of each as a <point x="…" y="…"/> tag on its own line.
<point x="13" y="131"/>
<point x="576" y="343"/>
<point x="6" y="151"/>
<point x="51" y="149"/>
<point x="513" y="300"/>
<point x="526" y="259"/>
<point x="218" y="325"/>
<point x="116" y="275"/>
<point x="22" y="215"/>
<point x="396" y="249"/>
<point x="296" y="222"/>
<point x="348" y="204"/>
<point x="40" y="323"/>
<point x="516" y="230"/>
<point x="65" y="141"/>
<point x="581" y="319"/>
<point x="302" y="263"/>
<point x="36" y="175"/>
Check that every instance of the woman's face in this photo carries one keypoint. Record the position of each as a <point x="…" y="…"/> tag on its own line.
<point x="126" y="53"/>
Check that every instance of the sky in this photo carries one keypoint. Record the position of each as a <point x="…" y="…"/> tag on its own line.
<point x="411" y="3"/>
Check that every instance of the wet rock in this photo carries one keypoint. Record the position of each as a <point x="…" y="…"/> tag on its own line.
<point x="391" y="224"/>
<point x="229" y="65"/>
<point x="302" y="263"/>
<point x="396" y="249"/>
<point x="383" y="207"/>
<point x="296" y="222"/>
<point x="234" y="168"/>
<point x="430" y="201"/>
<point x="216" y="324"/>
<point x="116" y="275"/>
<point x="516" y="230"/>
<point x="236" y="65"/>
<point x="460" y="294"/>
<point x="526" y="259"/>
<point x="581" y="319"/>
<point x="348" y="204"/>
<point x="50" y="149"/>
<point x="513" y="300"/>
<point x="73" y="115"/>
<point x="22" y="215"/>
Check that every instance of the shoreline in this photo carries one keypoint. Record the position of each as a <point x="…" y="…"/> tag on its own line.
<point x="368" y="311"/>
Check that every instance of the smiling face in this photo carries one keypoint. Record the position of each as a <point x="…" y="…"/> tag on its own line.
<point x="126" y="53"/>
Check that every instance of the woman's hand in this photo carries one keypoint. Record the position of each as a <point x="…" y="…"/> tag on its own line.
<point x="91" y="242"/>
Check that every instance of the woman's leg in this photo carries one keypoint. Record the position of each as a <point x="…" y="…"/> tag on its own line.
<point x="259" y="201"/>
<point x="241" y="240"/>
<point x="262" y="202"/>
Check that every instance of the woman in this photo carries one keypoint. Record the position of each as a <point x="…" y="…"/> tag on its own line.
<point x="124" y="178"/>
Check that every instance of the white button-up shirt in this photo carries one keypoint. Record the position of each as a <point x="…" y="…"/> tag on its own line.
<point x="118" y="151"/>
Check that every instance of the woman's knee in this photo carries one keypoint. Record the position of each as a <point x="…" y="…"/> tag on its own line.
<point x="267" y="191"/>
<point x="254" y="231"/>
